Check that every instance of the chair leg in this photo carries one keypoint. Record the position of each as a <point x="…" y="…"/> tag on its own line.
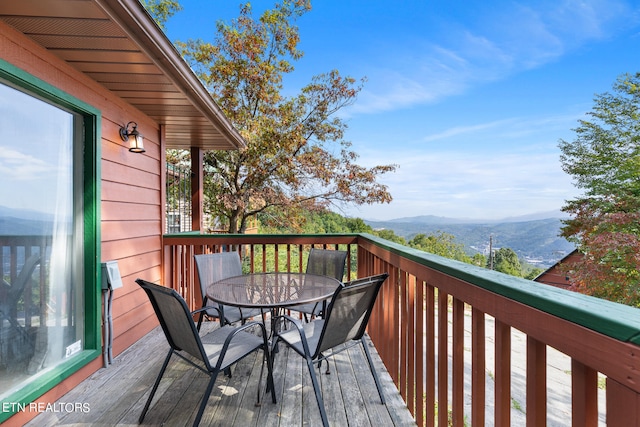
<point x="373" y="370"/>
<point x="264" y="359"/>
<point x="155" y="386"/>
<point x="205" y="399"/>
<point x="321" y="359"/>
<point x="200" y="321"/>
<point x="272" y="357"/>
<point x="318" y="392"/>
<point x="270" y="385"/>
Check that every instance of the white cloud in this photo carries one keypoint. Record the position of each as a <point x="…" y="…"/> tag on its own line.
<point x="508" y="40"/>
<point x="485" y="181"/>
<point x="22" y="167"/>
<point x="474" y="185"/>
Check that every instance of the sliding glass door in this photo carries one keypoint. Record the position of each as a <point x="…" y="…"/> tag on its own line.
<point x="44" y="315"/>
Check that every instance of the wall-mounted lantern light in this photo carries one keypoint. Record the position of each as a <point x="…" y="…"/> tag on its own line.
<point x="136" y="140"/>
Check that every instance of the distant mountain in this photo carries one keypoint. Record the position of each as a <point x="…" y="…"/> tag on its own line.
<point x="535" y="240"/>
<point x="432" y="219"/>
<point x="24" y="222"/>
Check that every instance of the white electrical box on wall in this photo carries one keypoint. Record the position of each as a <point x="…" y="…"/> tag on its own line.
<point x="111" y="275"/>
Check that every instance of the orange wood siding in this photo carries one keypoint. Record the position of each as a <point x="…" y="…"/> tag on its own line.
<point x="131" y="191"/>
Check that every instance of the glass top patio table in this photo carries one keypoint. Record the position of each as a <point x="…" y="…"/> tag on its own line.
<point x="272" y="290"/>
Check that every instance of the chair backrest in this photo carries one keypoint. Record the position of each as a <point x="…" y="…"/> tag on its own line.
<point x="324" y="262"/>
<point x="218" y="266"/>
<point x="349" y="311"/>
<point x="175" y="319"/>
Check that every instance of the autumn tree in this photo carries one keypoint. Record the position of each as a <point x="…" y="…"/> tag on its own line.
<point x="295" y="155"/>
<point x="604" y="161"/>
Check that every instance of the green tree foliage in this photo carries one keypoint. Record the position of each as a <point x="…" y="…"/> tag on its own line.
<point x="390" y="235"/>
<point x="315" y="221"/>
<point x="604" y="160"/>
<point x="505" y="260"/>
<point x="478" y="259"/>
<point x="162" y="10"/>
<point x="442" y="244"/>
<point x="530" y="272"/>
<point x="295" y="150"/>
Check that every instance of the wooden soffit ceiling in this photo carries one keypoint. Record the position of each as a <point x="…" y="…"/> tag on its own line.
<point x="117" y="44"/>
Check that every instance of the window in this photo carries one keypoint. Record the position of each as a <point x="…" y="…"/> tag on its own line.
<point x="48" y="235"/>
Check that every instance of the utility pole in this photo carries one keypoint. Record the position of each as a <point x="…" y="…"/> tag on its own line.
<point x="490" y="252"/>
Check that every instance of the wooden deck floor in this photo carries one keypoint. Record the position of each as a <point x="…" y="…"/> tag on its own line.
<point x="116" y="395"/>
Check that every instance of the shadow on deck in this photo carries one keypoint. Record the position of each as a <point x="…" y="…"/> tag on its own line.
<point x="116" y="395"/>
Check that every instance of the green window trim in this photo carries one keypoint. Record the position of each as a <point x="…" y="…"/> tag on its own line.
<point x="21" y="398"/>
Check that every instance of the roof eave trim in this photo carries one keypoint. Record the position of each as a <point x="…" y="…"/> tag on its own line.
<point x="134" y="20"/>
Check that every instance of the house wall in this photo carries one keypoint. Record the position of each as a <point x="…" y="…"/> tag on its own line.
<point x="554" y="276"/>
<point x="131" y="196"/>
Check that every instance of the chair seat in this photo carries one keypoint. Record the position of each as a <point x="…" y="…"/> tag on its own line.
<point x="243" y="344"/>
<point x="234" y="314"/>
<point x="312" y="331"/>
<point x="313" y="309"/>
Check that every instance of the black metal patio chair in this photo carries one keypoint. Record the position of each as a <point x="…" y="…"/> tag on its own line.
<point x="345" y="323"/>
<point x="322" y="262"/>
<point x="214" y="267"/>
<point x="212" y="353"/>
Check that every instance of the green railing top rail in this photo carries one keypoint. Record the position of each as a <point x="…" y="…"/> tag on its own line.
<point x="222" y="236"/>
<point x="615" y="320"/>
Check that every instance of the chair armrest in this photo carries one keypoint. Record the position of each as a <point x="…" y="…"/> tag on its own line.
<point x="241" y="329"/>
<point x="209" y="307"/>
<point x="299" y="328"/>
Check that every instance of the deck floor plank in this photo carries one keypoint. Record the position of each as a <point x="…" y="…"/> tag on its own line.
<point x="116" y="395"/>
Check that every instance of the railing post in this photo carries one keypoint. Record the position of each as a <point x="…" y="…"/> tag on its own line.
<point x="197" y="191"/>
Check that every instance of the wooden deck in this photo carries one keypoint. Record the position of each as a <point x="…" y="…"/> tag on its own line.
<point x="116" y="395"/>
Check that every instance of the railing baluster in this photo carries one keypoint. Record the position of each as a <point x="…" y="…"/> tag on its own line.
<point x="443" y="358"/>
<point x="623" y="405"/>
<point x="536" y="383"/>
<point x="478" y="365"/>
<point x="458" y="363"/>
<point x="430" y="358"/>
<point x="584" y="395"/>
<point x="502" y="374"/>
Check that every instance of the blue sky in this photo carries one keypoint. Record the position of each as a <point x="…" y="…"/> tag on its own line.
<point x="469" y="98"/>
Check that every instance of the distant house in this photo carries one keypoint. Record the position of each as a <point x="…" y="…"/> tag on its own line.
<point x="554" y="276"/>
<point x="76" y="76"/>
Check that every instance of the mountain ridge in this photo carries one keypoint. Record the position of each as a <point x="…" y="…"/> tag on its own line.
<point x="537" y="241"/>
<point x="434" y="219"/>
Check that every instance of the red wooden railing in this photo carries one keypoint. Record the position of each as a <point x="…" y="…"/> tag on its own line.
<point x="463" y="367"/>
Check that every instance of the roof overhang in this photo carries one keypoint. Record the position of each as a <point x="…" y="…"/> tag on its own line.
<point x="117" y="44"/>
